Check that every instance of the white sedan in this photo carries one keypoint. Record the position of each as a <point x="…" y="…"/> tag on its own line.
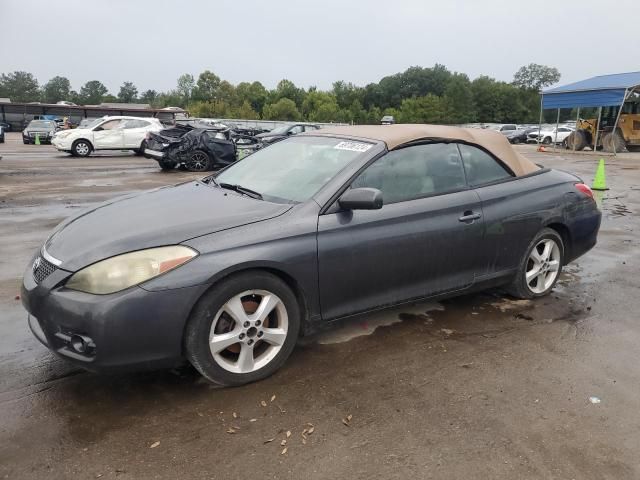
<point x="550" y="135"/>
<point x="107" y="133"/>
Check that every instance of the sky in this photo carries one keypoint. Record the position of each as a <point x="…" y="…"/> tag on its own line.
<point x="152" y="42"/>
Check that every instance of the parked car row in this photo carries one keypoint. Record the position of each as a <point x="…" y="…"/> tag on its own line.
<point x="533" y="133"/>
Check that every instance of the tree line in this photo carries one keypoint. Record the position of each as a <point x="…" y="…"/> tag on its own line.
<point x="417" y="95"/>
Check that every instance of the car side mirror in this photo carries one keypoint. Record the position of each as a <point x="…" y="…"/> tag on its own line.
<point x="361" y="199"/>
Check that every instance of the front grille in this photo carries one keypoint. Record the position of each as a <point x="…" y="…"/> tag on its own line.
<point x="42" y="269"/>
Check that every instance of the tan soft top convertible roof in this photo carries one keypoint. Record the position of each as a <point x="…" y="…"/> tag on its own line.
<point x="397" y="135"/>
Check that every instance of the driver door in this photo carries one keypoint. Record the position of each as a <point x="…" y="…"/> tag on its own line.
<point x="423" y="241"/>
<point x="109" y="135"/>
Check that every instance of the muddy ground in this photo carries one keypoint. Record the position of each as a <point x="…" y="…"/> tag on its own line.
<point x="479" y="386"/>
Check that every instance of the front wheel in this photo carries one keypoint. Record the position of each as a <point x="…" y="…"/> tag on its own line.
<point x="81" y="148"/>
<point x="140" y="151"/>
<point x="547" y="140"/>
<point x="540" y="267"/>
<point x="243" y="329"/>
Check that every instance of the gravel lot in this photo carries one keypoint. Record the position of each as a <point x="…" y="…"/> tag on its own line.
<point x="480" y="386"/>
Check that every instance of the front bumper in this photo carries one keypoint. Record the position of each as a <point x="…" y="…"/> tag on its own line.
<point x="62" y="144"/>
<point x="130" y="330"/>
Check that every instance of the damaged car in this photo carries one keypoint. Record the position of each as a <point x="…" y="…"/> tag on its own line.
<point x="192" y="148"/>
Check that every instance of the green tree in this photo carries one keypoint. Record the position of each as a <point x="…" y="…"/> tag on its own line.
<point x="207" y="86"/>
<point x="287" y="89"/>
<point x="459" y="100"/>
<point x="227" y="93"/>
<point x="19" y="87"/>
<point x="254" y="93"/>
<point x="91" y="93"/>
<point x="149" y="96"/>
<point x="283" y="109"/>
<point x="245" y="111"/>
<point x="128" y="92"/>
<point x="427" y="109"/>
<point x="536" y="77"/>
<point x="346" y="93"/>
<point x="56" y="89"/>
<point x="185" y="87"/>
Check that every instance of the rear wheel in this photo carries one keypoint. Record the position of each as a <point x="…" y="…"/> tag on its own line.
<point x="198" y="161"/>
<point x="540" y="267"/>
<point x="243" y="329"/>
<point x="613" y="142"/>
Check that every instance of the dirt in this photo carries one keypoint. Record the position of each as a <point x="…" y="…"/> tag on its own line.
<point x="479" y="386"/>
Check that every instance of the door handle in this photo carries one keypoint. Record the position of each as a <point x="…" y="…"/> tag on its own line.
<point x="469" y="216"/>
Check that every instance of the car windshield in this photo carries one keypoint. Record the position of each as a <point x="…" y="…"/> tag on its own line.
<point x="42" y="124"/>
<point x="90" y="123"/>
<point x="280" y="130"/>
<point x="293" y="170"/>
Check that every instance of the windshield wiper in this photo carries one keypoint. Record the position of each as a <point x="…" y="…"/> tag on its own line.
<point x="240" y="189"/>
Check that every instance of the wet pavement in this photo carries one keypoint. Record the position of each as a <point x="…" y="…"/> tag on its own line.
<point x="480" y="386"/>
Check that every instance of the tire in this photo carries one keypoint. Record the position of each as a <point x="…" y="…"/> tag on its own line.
<point x="515" y="141"/>
<point x="520" y="287"/>
<point x="26" y="142"/>
<point x="166" y="166"/>
<point x="243" y="292"/>
<point x="140" y="151"/>
<point x="81" y="148"/>
<point x="198" y="161"/>
<point x="577" y="140"/>
<point x="546" y="140"/>
<point x="613" y="140"/>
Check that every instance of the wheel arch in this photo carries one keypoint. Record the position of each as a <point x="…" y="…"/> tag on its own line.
<point x="81" y="139"/>
<point x="274" y="270"/>
<point x="564" y="232"/>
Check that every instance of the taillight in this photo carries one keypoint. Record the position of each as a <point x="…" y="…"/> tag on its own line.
<point x="584" y="189"/>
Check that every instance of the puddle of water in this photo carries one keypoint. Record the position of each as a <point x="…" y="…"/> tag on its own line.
<point x="346" y="330"/>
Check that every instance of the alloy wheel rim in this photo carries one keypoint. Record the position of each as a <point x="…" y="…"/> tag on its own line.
<point x="248" y="331"/>
<point x="543" y="266"/>
<point x="198" y="161"/>
<point x="82" y="148"/>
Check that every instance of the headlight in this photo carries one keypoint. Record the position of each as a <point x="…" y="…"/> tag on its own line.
<point x="124" y="271"/>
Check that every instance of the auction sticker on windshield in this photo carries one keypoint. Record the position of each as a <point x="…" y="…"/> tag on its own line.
<point x="353" y="146"/>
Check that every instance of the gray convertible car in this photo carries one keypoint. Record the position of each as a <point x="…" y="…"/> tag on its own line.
<point x="227" y="272"/>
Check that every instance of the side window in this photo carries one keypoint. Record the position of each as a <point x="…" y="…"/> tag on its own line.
<point x="135" y="124"/>
<point x="481" y="167"/>
<point x="297" y="129"/>
<point x="415" y="172"/>
<point x="509" y="127"/>
<point x="310" y="128"/>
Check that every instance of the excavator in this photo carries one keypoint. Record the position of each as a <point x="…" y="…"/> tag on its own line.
<point x="625" y="137"/>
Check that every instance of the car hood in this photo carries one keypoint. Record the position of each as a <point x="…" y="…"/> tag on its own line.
<point x="39" y="129"/>
<point x="166" y="216"/>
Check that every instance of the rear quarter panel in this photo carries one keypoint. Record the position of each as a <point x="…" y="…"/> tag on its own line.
<point x="516" y="210"/>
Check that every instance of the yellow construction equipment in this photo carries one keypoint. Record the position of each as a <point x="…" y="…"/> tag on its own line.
<point x="625" y="137"/>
